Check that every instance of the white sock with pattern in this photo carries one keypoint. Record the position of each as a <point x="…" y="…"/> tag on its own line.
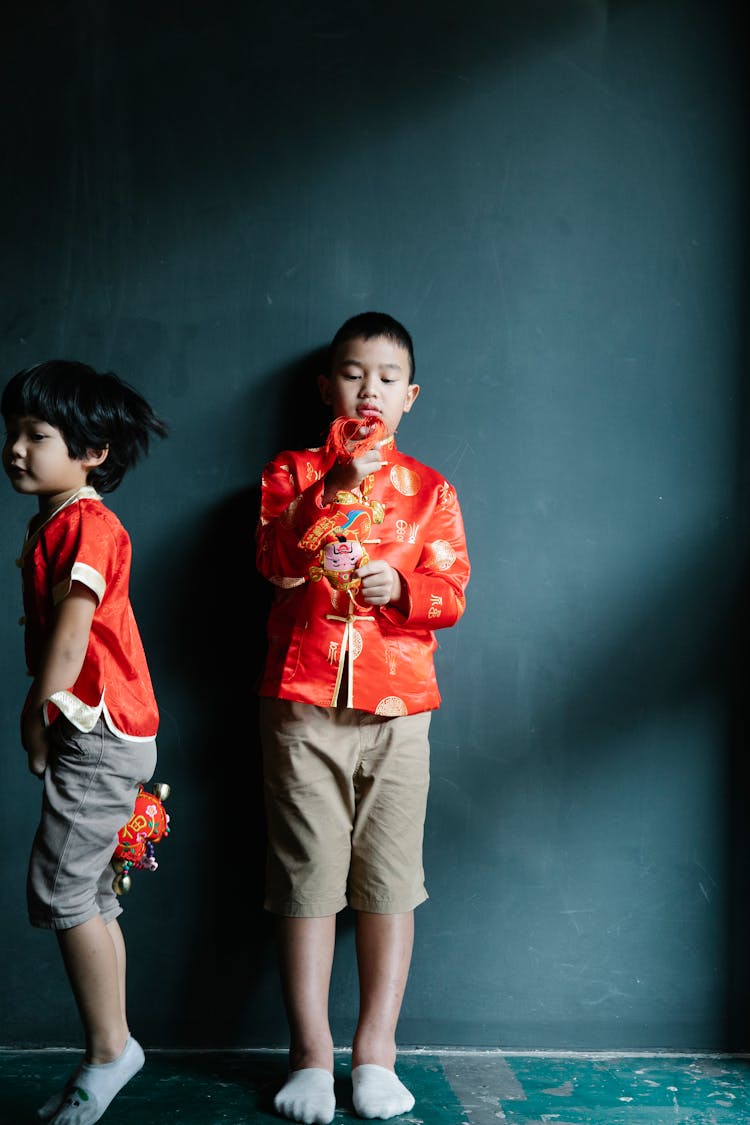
<point x="92" y="1087"/>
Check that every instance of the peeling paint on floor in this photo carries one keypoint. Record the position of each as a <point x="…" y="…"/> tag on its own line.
<point x="450" y="1087"/>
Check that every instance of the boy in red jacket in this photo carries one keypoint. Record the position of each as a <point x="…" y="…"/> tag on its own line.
<point x="366" y="549"/>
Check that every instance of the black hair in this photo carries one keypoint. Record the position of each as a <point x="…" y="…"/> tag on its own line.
<point x="367" y="325"/>
<point x="91" y="409"/>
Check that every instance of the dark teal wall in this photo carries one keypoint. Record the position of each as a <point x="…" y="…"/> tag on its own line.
<point x="551" y="196"/>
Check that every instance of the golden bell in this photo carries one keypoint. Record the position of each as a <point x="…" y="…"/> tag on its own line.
<point x="161" y="790"/>
<point x="122" y="883"/>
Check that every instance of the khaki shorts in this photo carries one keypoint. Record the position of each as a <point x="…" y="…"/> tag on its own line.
<point x="346" y="795"/>
<point x="90" y="786"/>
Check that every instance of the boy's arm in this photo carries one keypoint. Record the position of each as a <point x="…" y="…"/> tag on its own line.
<point x="432" y="596"/>
<point x="60" y="668"/>
<point x="286" y="512"/>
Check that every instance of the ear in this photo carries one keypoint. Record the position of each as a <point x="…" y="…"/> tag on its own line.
<point x="411" y="395"/>
<point x="95" y="457"/>
<point x="324" y="386"/>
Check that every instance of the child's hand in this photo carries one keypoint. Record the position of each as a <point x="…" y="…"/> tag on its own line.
<point x="346" y="477"/>
<point x="380" y="584"/>
<point x="34" y="736"/>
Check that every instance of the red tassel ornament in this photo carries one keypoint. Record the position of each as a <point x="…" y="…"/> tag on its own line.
<point x="346" y="439"/>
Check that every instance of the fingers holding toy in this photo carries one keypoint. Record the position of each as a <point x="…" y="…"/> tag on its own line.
<point x="349" y="438"/>
<point x="347" y="475"/>
<point x="380" y="584"/>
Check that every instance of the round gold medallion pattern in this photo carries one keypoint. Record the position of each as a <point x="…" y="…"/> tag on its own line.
<point x="405" y="481"/>
<point x="356" y="643"/>
<point x="391" y="705"/>
<point x="443" y="555"/>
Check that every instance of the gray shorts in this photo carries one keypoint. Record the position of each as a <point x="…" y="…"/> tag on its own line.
<point x="346" y="795"/>
<point x="90" y="786"/>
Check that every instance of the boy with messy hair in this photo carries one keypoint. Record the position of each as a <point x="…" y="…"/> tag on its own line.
<point x="90" y="718"/>
<point x="366" y="550"/>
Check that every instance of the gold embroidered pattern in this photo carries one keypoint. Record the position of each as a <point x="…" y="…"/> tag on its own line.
<point x="436" y="606"/>
<point x="287" y="516"/>
<point x="405" y="481"/>
<point x="446" y="495"/>
<point x="443" y="555"/>
<point x="339" y="600"/>
<point x="391" y="705"/>
<point x="406" y="531"/>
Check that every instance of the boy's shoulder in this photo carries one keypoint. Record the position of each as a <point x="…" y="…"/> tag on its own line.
<point x="297" y="454"/>
<point x="87" y="515"/>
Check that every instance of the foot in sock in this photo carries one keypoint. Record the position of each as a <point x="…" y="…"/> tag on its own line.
<point x="307" y="1096"/>
<point x="378" y="1092"/>
<point x="92" y="1087"/>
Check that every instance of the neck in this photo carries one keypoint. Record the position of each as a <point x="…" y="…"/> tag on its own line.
<point x="48" y="505"/>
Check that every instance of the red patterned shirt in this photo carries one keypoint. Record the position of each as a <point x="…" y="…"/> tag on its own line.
<point x="313" y="626"/>
<point x="85" y="542"/>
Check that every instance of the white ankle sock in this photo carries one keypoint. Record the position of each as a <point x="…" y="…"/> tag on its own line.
<point x="378" y="1092"/>
<point x="307" y="1096"/>
<point x="92" y="1087"/>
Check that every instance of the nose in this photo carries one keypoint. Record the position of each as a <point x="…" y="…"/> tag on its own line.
<point x="369" y="386"/>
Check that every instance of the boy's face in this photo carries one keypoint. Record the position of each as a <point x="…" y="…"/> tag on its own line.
<point x="370" y="379"/>
<point x="37" y="461"/>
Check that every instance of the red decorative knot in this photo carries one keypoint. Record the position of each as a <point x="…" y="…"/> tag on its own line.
<point x="351" y="437"/>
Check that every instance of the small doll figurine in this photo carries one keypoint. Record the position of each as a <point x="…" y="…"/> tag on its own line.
<point x="337" y="540"/>
<point x="135" y="847"/>
<point x="338" y="537"/>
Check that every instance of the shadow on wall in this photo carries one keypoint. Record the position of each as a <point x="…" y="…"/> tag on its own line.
<point x="683" y="640"/>
<point x="220" y="835"/>
<point x="738" y="808"/>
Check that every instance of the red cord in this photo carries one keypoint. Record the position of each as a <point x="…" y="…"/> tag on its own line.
<point x="346" y="440"/>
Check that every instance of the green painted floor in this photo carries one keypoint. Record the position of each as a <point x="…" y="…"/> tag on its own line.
<point x="451" y="1088"/>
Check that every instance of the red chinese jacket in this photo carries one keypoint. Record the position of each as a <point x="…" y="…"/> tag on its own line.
<point x="313" y="626"/>
<point x="84" y="541"/>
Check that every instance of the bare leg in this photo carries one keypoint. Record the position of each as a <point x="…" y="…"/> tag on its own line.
<point x="384" y="948"/>
<point x="94" y="958"/>
<point x="305" y="947"/>
<point x="118" y="941"/>
<point x="306" y="958"/>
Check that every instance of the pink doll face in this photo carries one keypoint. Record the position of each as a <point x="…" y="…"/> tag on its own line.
<point x="342" y="557"/>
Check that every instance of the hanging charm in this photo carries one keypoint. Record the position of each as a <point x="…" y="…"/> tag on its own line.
<point x="135" y="841"/>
